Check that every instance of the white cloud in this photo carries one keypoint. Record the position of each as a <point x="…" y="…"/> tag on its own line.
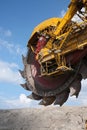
<point x="84" y="83"/>
<point x="24" y="99"/>
<point x="9" y="73"/>
<point x="6" y="33"/>
<point x="62" y="13"/>
<point x="12" y="48"/>
<point x="83" y="94"/>
<point x="21" y="102"/>
<point x="28" y="102"/>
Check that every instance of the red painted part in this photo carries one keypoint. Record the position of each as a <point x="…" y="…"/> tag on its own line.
<point x="40" y="44"/>
<point x="76" y="56"/>
<point x="44" y="81"/>
<point x="53" y="82"/>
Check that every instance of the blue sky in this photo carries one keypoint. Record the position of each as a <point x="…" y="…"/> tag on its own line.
<point x="17" y="20"/>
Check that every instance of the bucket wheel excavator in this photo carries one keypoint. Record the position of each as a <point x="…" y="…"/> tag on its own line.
<point x="56" y="60"/>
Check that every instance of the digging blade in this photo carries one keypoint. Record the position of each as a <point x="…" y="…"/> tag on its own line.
<point x="75" y="88"/>
<point x="61" y="98"/>
<point x="25" y="86"/>
<point x="34" y="97"/>
<point x="24" y="59"/>
<point x="47" y="101"/>
<point x="22" y="73"/>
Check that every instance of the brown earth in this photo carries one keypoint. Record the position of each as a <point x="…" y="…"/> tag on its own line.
<point x="45" y="118"/>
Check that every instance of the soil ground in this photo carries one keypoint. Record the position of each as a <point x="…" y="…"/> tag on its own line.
<point x="45" y="118"/>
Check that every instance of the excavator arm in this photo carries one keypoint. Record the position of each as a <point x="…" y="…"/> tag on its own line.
<point x="62" y="41"/>
<point x="56" y="61"/>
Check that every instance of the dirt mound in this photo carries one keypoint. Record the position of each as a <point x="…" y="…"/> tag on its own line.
<point x="45" y="118"/>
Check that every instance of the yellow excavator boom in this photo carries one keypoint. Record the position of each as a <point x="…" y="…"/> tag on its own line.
<point x="56" y="61"/>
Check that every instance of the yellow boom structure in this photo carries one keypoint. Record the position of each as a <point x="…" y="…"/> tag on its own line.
<point x="64" y="36"/>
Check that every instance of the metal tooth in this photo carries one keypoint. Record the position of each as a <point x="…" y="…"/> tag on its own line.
<point x="24" y="60"/>
<point x="47" y="101"/>
<point x="83" y="69"/>
<point x="61" y="98"/>
<point x="42" y="103"/>
<point x="75" y="88"/>
<point x="25" y="86"/>
<point x="22" y="73"/>
<point x="34" y="96"/>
